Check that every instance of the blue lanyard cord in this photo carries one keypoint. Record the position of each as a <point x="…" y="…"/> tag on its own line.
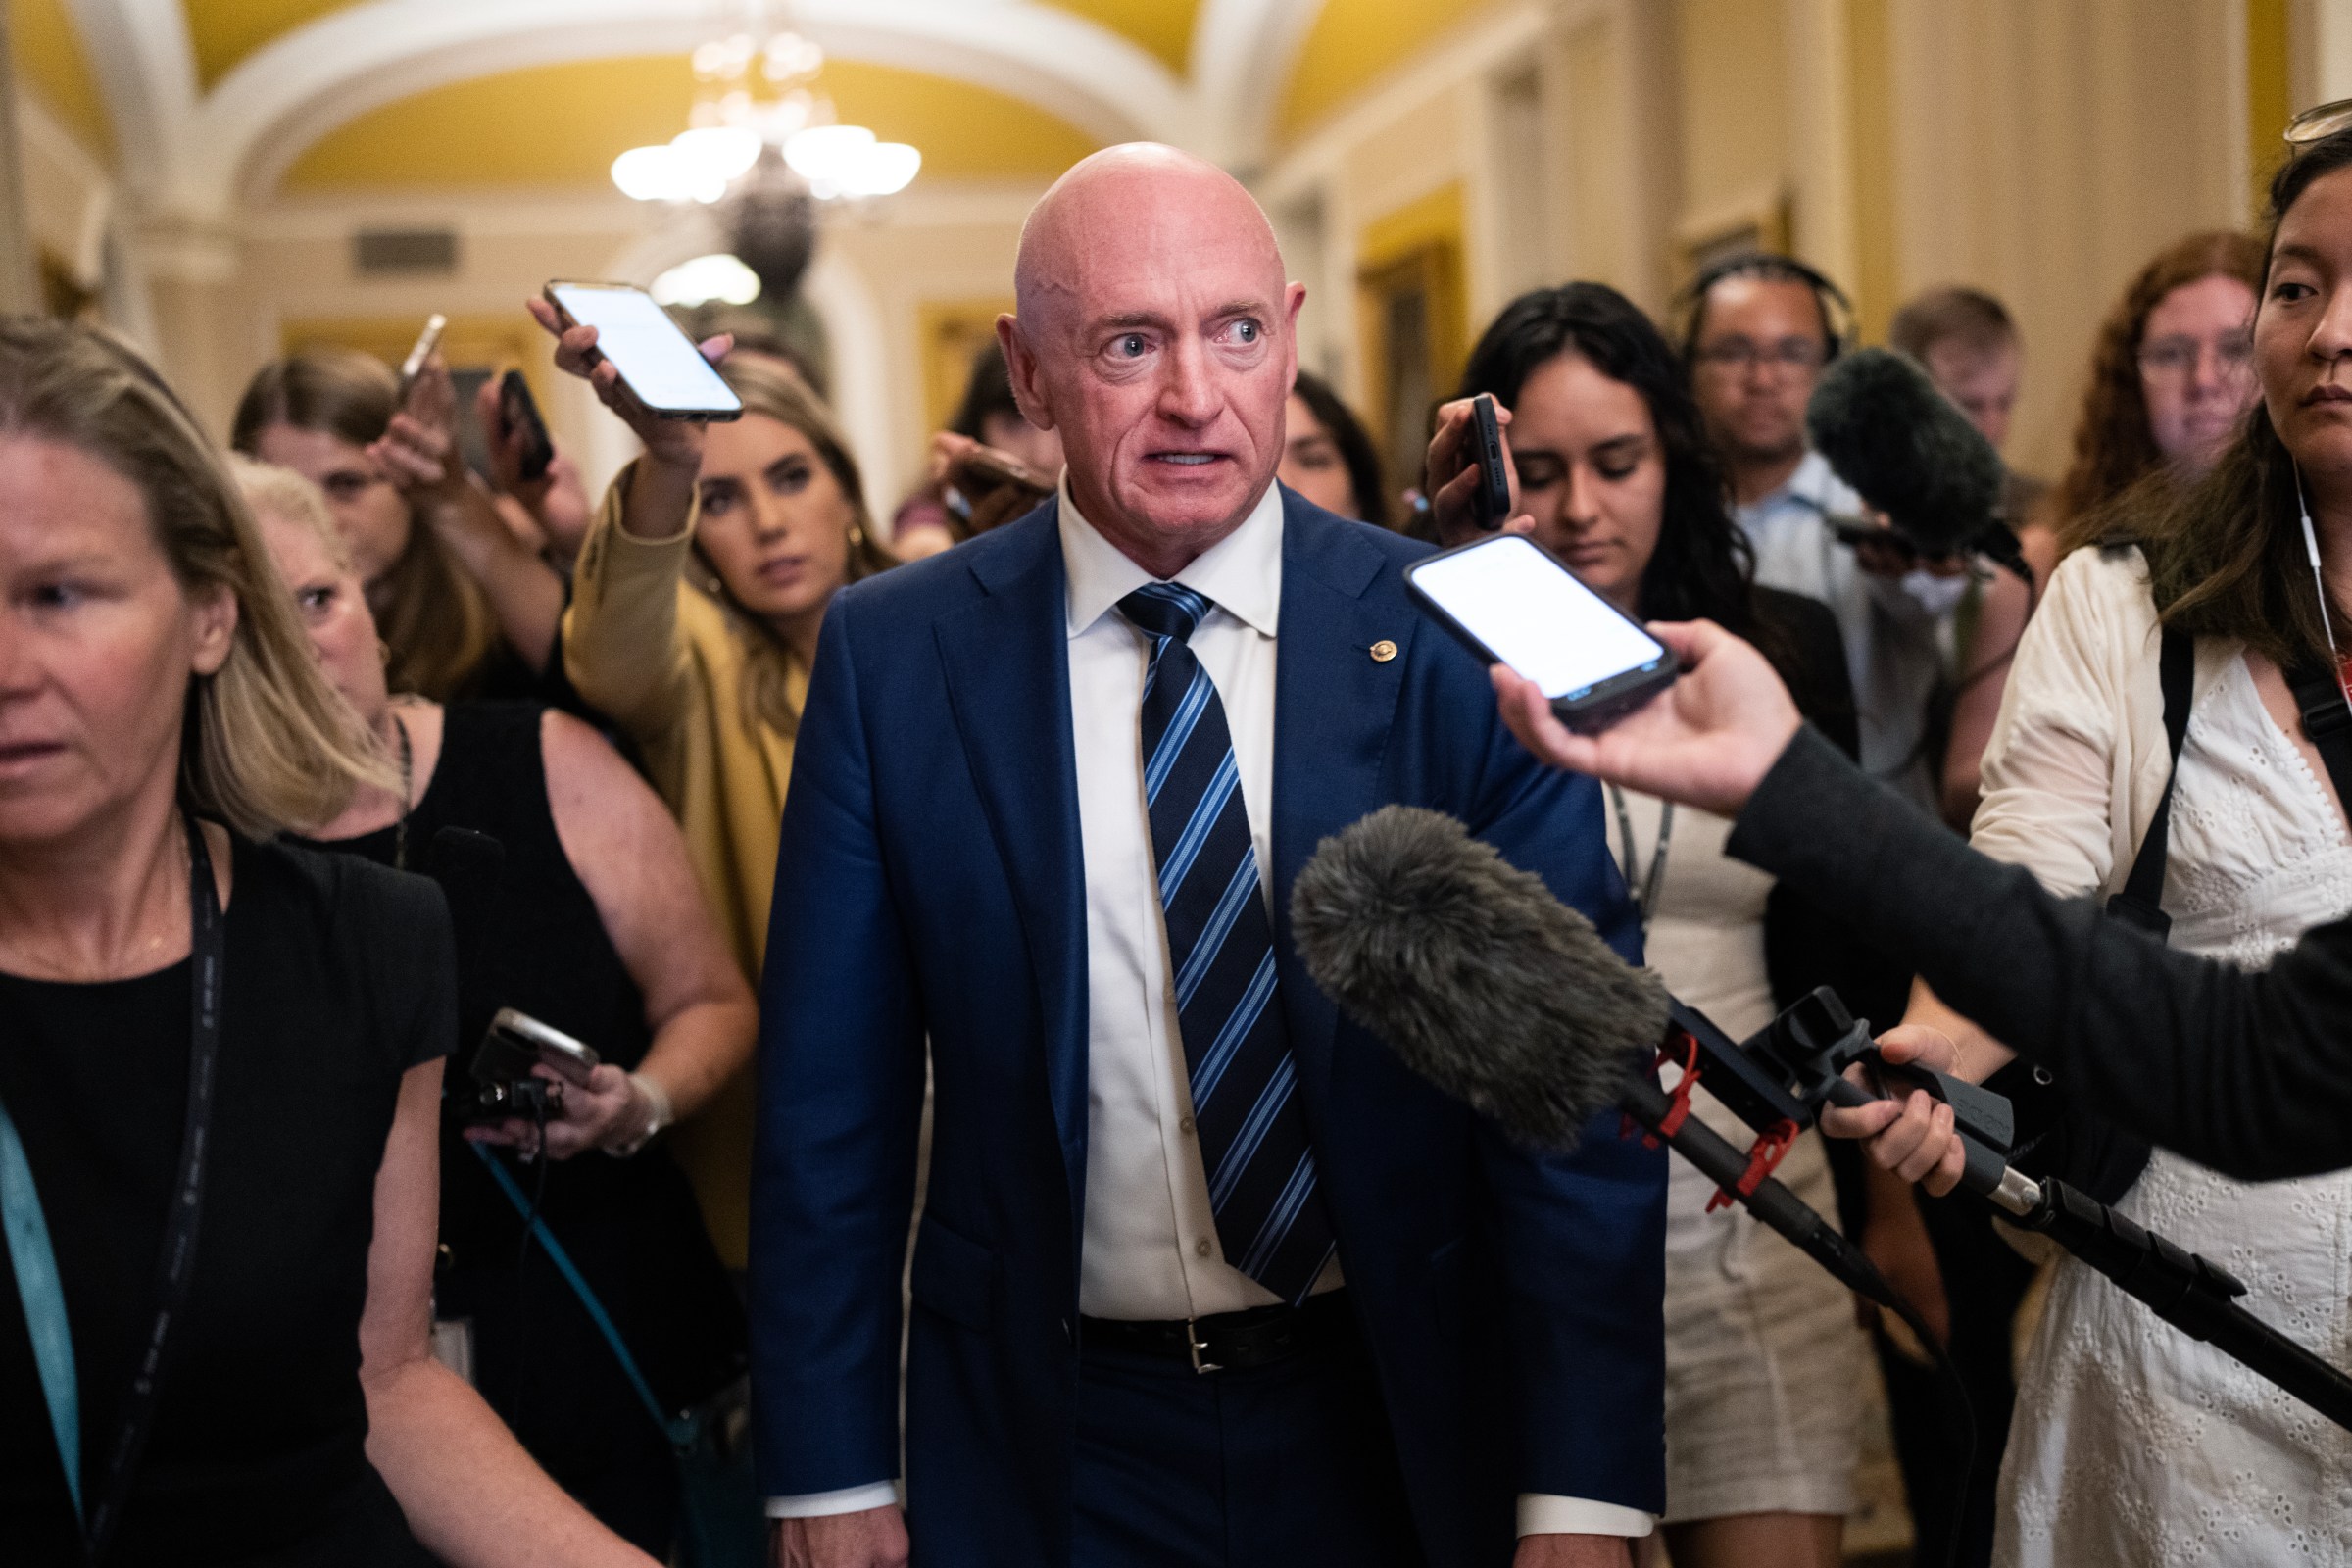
<point x="43" y="1293"/>
<point x="680" y="1431"/>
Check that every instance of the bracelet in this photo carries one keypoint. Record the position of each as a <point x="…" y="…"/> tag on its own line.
<point x="657" y="1102"/>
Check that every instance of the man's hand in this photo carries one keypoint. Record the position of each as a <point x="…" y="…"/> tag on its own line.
<point x="1573" y="1551"/>
<point x="1707" y="741"/>
<point x="1450" y="475"/>
<point x="875" y="1538"/>
<point x="1909" y="1133"/>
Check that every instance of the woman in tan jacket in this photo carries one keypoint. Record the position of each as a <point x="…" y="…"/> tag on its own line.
<point x="694" y="610"/>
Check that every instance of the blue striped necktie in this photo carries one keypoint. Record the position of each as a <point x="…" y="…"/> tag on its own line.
<point x="1236" y="1051"/>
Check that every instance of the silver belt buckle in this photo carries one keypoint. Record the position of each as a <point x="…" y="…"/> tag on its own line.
<point x="1194" y="1343"/>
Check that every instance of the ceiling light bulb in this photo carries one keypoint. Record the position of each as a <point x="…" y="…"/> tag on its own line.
<point x="650" y="175"/>
<point x="824" y="155"/>
<point x="705" y="278"/>
<point x="885" y="168"/>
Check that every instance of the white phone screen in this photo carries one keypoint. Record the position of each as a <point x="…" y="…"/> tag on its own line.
<point x="661" y="364"/>
<point x="1533" y="615"/>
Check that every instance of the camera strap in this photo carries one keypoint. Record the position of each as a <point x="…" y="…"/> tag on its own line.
<point x="34" y="1262"/>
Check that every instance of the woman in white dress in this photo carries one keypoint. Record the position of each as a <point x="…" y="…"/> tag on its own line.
<point x="1764" y="1364"/>
<point x="2133" y="1443"/>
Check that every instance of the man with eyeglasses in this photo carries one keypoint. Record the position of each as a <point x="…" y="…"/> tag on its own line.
<point x="1760" y="330"/>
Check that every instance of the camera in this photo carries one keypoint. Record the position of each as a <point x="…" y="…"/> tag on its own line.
<point x="503" y="1085"/>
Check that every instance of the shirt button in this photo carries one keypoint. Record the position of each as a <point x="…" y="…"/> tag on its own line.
<point x="1201" y="1248"/>
<point x="1184" y="1125"/>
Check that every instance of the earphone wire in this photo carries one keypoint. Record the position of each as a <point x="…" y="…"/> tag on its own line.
<point x="2310" y="548"/>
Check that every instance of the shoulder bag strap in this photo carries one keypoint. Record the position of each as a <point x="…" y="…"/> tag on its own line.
<point x="2142" y="901"/>
<point x="43" y="1293"/>
<point x="2328" y="722"/>
<point x="675" y="1432"/>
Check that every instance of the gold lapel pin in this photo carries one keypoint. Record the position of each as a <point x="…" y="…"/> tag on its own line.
<point x="1383" y="651"/>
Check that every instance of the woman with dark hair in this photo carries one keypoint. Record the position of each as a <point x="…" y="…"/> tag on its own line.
<point x="987" y="418"/>
<point x="1763" y="1360"/>
<point x="2133" y="1443"/>
<point x="1327" y="456"/>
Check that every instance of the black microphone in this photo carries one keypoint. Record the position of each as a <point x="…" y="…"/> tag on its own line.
<point x="1499" y="994"/>
<point x="1908" y="450"/>
<point x="1483" y="983"/>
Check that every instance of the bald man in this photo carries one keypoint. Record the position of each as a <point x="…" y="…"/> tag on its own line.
<point x="1203" y="1278"/>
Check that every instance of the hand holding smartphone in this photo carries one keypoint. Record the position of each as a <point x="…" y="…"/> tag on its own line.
<point x="520" y="425"/>
<point x="658" y="363"/>
<point x="1511" y="603"/>
<point x="421" y="351"/>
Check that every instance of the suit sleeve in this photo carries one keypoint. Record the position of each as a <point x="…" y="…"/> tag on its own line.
<point x="1581" y="1238"/>
<point x="2246" y="1072"/>
<point x="841" y="1087"/>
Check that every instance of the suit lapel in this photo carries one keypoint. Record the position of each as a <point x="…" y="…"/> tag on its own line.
<point x="1335" y="704"/>
<point x="1006" y="662"/>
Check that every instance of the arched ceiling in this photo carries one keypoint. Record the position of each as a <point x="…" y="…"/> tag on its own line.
<point x="584" y="112"/>
<point x="210" y="103"/>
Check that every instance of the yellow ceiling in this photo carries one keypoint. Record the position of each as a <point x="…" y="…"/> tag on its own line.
<point x="564" y="124"/>
<point x="225" y="31"/>
<point x="1351" y="44"/>
<point x="49" y="56"/>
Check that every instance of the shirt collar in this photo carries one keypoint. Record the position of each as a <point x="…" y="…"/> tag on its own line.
<point x="1812" y="484"/>
<point x="1240" y="573"/>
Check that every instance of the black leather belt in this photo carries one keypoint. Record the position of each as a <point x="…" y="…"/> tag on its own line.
<point x="1229" y="1342"/>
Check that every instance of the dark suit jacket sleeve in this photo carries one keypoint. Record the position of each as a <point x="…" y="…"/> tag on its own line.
<point x="841" y="1089"/>
<point x="1580" y="1237"/>
<point x="2250" y="1073"/>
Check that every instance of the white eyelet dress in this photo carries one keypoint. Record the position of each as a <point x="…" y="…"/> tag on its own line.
<point x="2131" y="1442"/>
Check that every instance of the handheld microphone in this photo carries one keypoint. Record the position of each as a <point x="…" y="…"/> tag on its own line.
<point x="1507" y="1000"/>
<point x="1909" y="452"/>
<point x="1504" y="998"/>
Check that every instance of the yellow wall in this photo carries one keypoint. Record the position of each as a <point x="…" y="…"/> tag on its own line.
<point x="1732" y="66"/>
<point x="564" y="125"/>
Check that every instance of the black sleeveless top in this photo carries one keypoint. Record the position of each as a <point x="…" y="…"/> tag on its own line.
<point x="337" y="981"/>
<point x="528" y="937"/>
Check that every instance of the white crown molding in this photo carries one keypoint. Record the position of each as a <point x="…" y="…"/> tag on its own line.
<point x="1242" y="52"/>
<point x="259" y="118"/>
<point x="146" y="70"/>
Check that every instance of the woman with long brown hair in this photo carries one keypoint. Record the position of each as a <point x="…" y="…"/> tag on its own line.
<point x="694" y="610"/>
<point x="324" y="413"/>
<point x="2170" y="380"/>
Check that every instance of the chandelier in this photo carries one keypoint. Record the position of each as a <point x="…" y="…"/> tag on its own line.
<point x="756" y="90"/>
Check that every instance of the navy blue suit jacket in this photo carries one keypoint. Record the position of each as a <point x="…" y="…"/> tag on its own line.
<point x="929" y="885"/>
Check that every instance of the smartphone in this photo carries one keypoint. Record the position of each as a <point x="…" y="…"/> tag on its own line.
<point x="519" y="412"/>
<point x="426" y="341"/>
<point x="658" y="362"/>
<point x="1514" y="604"/>
<point x="1851" y="532"/>
<point x="1493" y="479"/>
<point x="516" y="1041"/>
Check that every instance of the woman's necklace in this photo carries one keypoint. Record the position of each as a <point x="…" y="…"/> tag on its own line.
<point x="1646" y="901"/>
<point x="400" y="828"/>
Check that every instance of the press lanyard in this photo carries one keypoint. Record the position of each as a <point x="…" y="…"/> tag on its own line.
<point x="1646" y="901"/>
<point x="35" y="1264"/>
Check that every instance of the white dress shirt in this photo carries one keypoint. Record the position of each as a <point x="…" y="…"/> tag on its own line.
<point x="1150" y="1249"/>
<point x="1896" y="645"/>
